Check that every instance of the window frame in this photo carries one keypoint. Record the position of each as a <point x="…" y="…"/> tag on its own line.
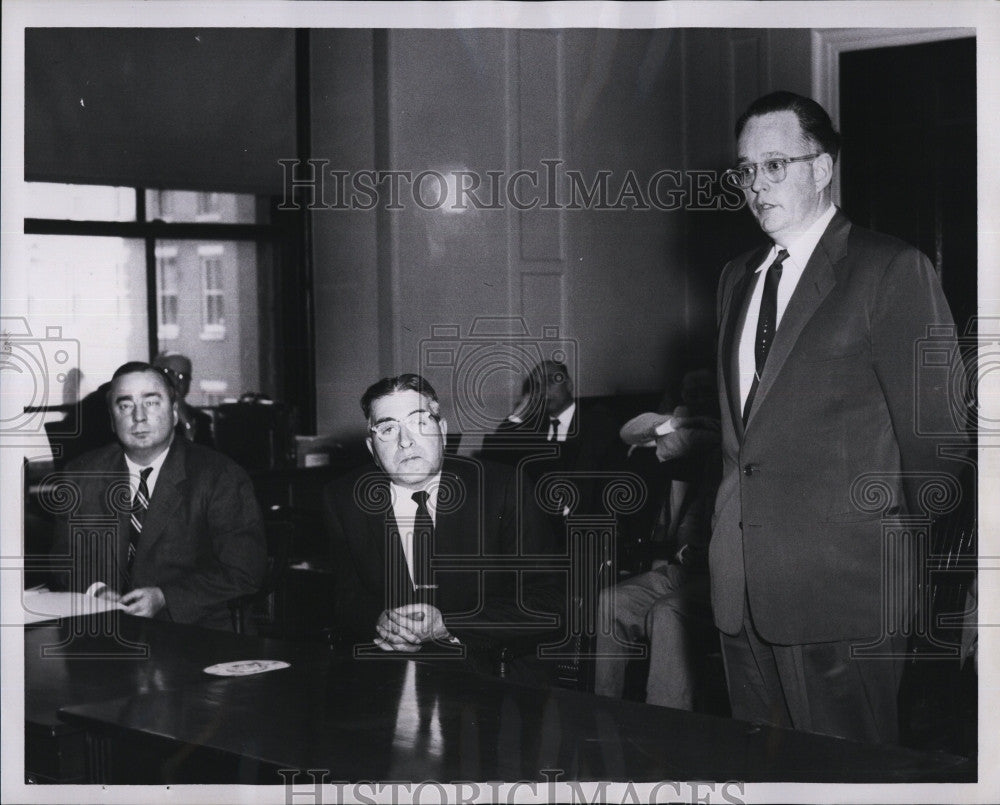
<point x="167" y="255"/>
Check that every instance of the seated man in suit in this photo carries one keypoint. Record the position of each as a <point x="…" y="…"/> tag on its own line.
<point x="550" y="431"/>
<point x="390" y="525"/>
<point x="192" y="536"/>
<point x="669" y="605"/>
<point x="192" y="423"/>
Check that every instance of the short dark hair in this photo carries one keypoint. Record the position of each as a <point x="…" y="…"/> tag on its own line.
<point x="133" y="367"/>
<point x="815" y="122"/>
<point x="390" y="385"/>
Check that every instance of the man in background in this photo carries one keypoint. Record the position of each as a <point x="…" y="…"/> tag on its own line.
<point x="550" y="431"/>
<point x="669" y="605"/>
<point x="192" y="423"/>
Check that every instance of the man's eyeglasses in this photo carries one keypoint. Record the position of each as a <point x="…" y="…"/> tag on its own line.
<point x="418" y="422"/>
<point x="775" y="170"/>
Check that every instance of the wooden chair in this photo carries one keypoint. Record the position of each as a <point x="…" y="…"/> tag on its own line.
<point x="260" y="604"/>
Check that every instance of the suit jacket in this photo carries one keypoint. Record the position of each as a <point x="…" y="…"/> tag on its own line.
<point x="482" y="517"/>
<point x="838" y="398"/>
<point x="202" y="539"/>
<point x="592" y="448"/>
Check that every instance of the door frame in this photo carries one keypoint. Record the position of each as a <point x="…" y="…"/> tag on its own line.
<point x="828" y="44"/>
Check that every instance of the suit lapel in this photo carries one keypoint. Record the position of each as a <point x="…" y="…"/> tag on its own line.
<point x="168" y="496"/>
<point x="817" y="280"/>
<point x="115" y="466"/>
<point x="735" y="311"/>
<point x="456" y="526"/>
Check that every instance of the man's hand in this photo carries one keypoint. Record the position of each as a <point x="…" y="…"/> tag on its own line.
<point x="408" y="627"/>
<point x="144" y="601"/>
<point x="107" y="594"/>
<point x="692" y="434"/>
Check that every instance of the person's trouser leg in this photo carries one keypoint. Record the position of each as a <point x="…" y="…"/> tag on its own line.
<point x="622" y="621"/>
<point x="815" y="687"/>
<point x="673" y="624"/>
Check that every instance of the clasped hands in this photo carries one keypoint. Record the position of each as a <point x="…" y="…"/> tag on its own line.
<point x="408" y="627"/>
<point x="142" y="601"/>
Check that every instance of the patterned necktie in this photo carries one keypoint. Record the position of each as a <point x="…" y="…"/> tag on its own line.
<point x="140" y="504"/>
<point x="767" y="322"/>
<point x="423" y="541"/>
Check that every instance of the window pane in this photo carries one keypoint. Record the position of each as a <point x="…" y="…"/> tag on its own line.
<point x="78" y="202"/>
<point x="211" y="278"/>
<point x="190" y="206"/>
<point x="94" y="289"/>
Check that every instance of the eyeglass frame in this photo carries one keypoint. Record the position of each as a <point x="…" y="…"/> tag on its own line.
<point x="783" y="161"/>
<point x="401" y="423"/>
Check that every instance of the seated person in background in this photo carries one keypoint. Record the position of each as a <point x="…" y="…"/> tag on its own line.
<point x="670" y="602"/>
<point x="192" y="423"/>
<point x="194" y="537"/>
<point x="387" y="525"/>
<point x="585" y="436"/>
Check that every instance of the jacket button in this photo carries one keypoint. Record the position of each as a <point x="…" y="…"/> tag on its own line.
<point x="741" y="525"/>
<point x="749" y="469"/>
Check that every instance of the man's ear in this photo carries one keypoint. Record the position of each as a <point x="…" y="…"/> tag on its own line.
<point x="443" y="424"/>
<point x="368" y="444"/>
<point x="173" y="405"/>
<point x="823" y="172"/>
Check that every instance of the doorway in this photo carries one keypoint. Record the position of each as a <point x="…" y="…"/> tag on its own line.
<point x="908" y="168"/>
<point x="908" y="115"/>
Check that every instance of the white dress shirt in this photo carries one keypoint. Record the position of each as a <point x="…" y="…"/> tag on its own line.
<point x="799" y="252"/>
<point x="565" y="420"/>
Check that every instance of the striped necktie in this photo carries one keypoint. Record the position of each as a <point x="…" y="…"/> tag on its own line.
<point x="140" y="505"/>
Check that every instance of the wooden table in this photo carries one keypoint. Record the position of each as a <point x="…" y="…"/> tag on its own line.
<point x="162" y="720"/>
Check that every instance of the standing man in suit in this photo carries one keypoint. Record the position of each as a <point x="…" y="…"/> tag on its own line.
<point x="192" y="537"/>
<point x="550" y="431"/>
<point x="387" y="525"/>
<point x="818" y="385"/>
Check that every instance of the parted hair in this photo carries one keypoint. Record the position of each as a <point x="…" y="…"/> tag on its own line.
<point x="815" y="122"/>
<point x="390" y="385"/>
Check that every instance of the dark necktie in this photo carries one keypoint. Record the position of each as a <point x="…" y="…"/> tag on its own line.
<point x="767" y="321"/>
<point x="140" y="505"/>
<point x="423" y="541"/>
<point x="554" y="424"/>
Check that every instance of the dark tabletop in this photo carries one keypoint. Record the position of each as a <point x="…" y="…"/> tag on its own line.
<point x="394" y="719"/>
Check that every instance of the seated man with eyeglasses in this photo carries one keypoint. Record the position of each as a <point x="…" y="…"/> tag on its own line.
<point x="438" y="554"/>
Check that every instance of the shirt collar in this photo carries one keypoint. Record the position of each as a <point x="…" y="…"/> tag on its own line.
<point x="405" y="493"/>
<point x="566" y="417"/>
<point x="801" y="249"/>
<point x="134" y="469"/>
